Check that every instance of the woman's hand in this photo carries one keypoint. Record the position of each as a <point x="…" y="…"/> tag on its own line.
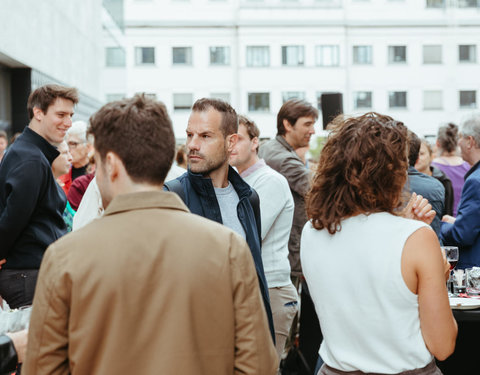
<point x="418" y="208"/>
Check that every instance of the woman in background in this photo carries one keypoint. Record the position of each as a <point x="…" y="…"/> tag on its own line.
<point x="423" y="165"/>
<point x="449" y="162"/>
<point x="377" y="279"/>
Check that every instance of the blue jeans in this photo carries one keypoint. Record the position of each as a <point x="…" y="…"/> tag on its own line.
<point x="18" y="286"/>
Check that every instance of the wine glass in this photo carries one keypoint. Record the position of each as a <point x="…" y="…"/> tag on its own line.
<point x="451" y="253"/>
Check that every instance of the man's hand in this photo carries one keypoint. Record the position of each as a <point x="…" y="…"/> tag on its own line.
<point x="2" y="262"/>
<point x="448" y="219"/>
<point x="418" y="208"/>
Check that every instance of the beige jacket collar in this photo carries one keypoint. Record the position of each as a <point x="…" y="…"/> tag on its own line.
<point x="145" y="200"/>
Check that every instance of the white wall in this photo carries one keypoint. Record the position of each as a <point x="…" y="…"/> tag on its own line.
<point x="56" y="37"/>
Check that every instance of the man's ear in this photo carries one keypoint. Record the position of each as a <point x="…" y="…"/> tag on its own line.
<point x="287" y="125"/>
<point x="254" y="143"/>
<point x="112" y="165"/>
<point x="231" y="141"/>
<point x="38" y="114"/>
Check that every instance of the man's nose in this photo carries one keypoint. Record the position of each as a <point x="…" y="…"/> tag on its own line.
<point x="68" y="121"/>
<point x="193" y="143"/>
<point x="312" y="130"/>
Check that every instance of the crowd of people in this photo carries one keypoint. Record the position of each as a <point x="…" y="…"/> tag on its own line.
<point x="228" y="255"/>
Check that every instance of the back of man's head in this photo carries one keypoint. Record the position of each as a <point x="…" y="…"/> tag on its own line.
<point x="292" y="110"/>
<point x="45" y="96"/>
<point x="471" y="127"/>
<point x="79" y="130"/>
<point x="229" y="116"/>
<point x="140" y="132"/>
<point x="414" y="144"/>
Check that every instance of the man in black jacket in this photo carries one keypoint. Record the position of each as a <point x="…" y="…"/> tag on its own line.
<point x="213" y="189"/>
<point x="31" y="202"/>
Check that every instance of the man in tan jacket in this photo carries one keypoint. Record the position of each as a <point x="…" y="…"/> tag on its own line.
<point x="149" y="288"/>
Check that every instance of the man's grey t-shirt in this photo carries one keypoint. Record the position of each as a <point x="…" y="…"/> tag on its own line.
<point x="228" y="201"/>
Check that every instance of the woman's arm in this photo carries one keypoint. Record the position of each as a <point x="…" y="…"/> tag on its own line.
<point x="424" y="269"/>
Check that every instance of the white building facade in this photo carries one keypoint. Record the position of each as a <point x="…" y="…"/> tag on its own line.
<point x="53" y="41"/>
<point x="416" y="60"/>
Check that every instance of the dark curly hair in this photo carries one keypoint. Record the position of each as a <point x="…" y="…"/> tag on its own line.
<point x="362" y="169"/>
<point x="447" y="137"/>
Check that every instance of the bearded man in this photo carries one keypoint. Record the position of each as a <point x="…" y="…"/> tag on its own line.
<point x="212" y="189"/>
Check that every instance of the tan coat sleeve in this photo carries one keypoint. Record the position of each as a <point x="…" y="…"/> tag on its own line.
<point x="254" y="349"/>
<point x="47" y="350"/>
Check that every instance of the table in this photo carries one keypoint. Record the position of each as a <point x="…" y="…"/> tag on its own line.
<point x="466" y="357"/>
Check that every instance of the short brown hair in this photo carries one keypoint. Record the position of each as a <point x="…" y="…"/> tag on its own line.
<point x="229" y="116"/>
<point x="362" y="169"/>
<point x="414" y="144"/>
<point x="140" y="132"/>
<point x="292" y="110"/>
<point x="44" y="96"/>
<point x="252" y="128"/>
<point x="447" y="137"/>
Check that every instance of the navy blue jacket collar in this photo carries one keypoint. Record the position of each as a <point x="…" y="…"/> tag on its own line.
<point x="204" y="186"/>
<point x="471" y="170"/>
<point x="50" y="151"/>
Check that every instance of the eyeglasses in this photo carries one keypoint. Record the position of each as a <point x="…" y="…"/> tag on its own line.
<point x="73" y="144"/>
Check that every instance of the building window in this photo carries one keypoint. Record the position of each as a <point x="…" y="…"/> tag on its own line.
<point x="225" y="96"/>
<point x="468" y="99"/>
<point x="467" y="53"/>
<point x="259" y="102"/>
<point x="362" y="54"/>
<point x="293" y="55"/>
<point x="468" y="3"/>
<point x="435" y="3"/>
<point x="144" y="55"/>
<point x="114" y="97"/>
<point x="397" y="99"/>
<point x="327" y="55"/>
<point x="114" y="56"/>
<point x="432" y="54"/>
<point x="432" y="99"/>
<point x="397" y="54"/>
<point x="219" y="55"/>
<point x="362" y="99"/>
<point x="182" y="55"/>
<point x="182" y="102"/>
<point x="287" y="95"/>
<point x="258" y="56"/>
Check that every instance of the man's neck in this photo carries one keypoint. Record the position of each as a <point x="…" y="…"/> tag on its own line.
<point x="475" y="157"/>
<point x="289" y="140"/>
<point x="253" y="160"/>
<point x="219" y="176"/>
<point x="35" y="126"/>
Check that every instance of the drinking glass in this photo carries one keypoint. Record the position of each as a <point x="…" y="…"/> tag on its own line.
<point x="451" y="253"/>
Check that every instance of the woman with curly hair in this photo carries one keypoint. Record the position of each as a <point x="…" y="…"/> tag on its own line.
<point x="376" y="276"/>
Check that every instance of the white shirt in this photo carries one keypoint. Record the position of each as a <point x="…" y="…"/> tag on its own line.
<point x="369" y="318"/>
<point x="276" y="215"/>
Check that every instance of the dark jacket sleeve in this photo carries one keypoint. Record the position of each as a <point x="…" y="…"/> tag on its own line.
<point x="8" y="355"/>
<point x="23" y="188"/>
<point x="466" y="229"/>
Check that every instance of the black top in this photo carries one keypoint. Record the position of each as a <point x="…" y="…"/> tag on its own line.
<point x="31" y="202"/>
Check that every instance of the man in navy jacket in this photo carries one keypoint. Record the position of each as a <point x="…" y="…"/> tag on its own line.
<point x="464" y="230"/>
<point x="213" y="189"/>
<point x="31" y="202"/>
